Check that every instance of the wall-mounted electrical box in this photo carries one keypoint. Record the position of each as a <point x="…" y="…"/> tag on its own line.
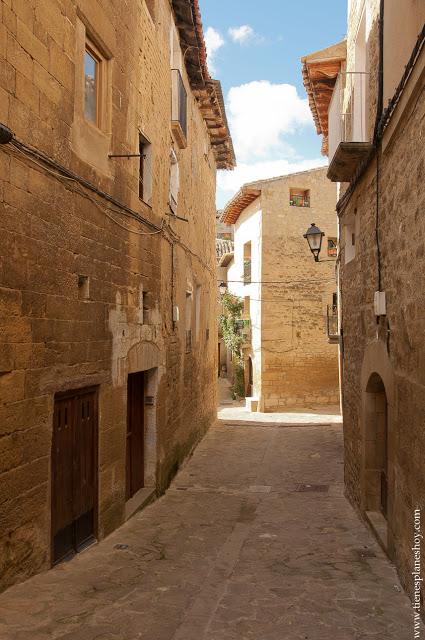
<point x="380" y="303"/>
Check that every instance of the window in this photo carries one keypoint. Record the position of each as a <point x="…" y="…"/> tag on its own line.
<point x="197" y="311"/>
<point x="247" y="263"/>
<point x="145" y="307"/>
<point x="83" y="287"/>
<point x="332" y="247"/>
<point x="350" y="239"/>
<point x="246" y="308"/>
<point x="145" y="169"/>
<point x="188" y="320"/>
<point x="92" y="75"/>
<point x="174" y="181"/>
<point x="178" y="91"/>
<point x="299" y="197"/>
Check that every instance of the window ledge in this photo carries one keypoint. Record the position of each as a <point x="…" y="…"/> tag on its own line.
<point x="179" y="134"/>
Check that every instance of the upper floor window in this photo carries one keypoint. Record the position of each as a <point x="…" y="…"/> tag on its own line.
<point x="198" y="299"/>
<point x="247" y="263"/>
<point x="92" y="87"/>
<point x="174" y="181"/>
<point x="332" y="247"/>
<point x="178" y="91"/>
<point x="188" y="321"/>
<point x="349" y="235"/>
<point x="299" y="197"/>
<point x="145" y="169"/>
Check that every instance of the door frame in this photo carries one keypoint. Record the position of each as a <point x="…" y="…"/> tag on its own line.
<point x="129" y="467"/>
<point x="62" y="395"/>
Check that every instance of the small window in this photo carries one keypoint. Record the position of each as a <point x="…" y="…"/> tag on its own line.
<point x="83" y="287"/>
<point x="92" y="64"/>
<point x="247" y="308"/>
<point x="188" y="321"/>
<point x="332" y="247"/>
<point x="146" y="308"/>
<point x="174" y="181"/>
<point x="247" y="263"/>
<point x="350" y="240"/>
<point x="145" y="170"/>
<point x="197" y="310"/>
<point x="299" y="197"/>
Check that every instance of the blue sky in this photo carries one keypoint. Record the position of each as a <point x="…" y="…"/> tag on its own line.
<point x="255" y="50"/>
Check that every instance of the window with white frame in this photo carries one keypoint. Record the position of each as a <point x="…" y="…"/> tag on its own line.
<point x="174" y="181"/>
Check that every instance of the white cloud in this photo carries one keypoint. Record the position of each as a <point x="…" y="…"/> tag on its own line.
<point x="241" y="34"/>
<point x="260" y="115"/>
<point x="213" y="42"/>
<point x="229" y="182"/>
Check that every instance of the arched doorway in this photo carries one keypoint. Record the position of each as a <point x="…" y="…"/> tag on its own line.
<point x="249" y="378"/>
<point x="376" y="446"/>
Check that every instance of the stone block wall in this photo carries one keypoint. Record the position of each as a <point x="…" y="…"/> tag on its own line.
<point x="299" y="366"/>
<point x="54" y="336"/>
<point x="391" y="347"/>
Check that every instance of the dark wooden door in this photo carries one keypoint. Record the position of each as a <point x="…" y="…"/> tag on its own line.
<point x="135" y="433"/>
<point x="74" y="472"/>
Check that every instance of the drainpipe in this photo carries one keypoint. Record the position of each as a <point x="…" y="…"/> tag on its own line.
<point x="376" y="141"/>
<point x="380" y="102"/>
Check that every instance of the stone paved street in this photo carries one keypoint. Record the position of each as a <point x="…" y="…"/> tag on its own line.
<point x="237" y="549"/>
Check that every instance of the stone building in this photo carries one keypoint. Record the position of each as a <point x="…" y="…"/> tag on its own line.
<point x="289" y="360"/>
<point x="367" y="100"/>
<point x="224" y="255"/>
<point x="108" y="274"/>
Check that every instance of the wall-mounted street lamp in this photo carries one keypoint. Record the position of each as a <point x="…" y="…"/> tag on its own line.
<point x="222" y="287"/>
<point x="314" y="238"/>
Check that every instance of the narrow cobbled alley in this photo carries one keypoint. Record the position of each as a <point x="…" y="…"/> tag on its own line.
<point x="254" y="540"/>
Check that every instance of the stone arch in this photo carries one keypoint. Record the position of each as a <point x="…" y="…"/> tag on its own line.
<point x="145" y="356"/>
<point x="378" y="401"/>
<point x="376" y="446"/>
<point x="142" y="357"/>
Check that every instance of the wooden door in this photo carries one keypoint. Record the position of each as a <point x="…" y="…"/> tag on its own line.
<point x="74" y="472"/>
<point x="135" y="433"/>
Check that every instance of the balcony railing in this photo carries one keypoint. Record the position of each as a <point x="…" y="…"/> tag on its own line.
<point x="179" y="108"/>
<point x="332" y="323"/>
<point x="349" y="140"/>
<point x="247" y="271"/>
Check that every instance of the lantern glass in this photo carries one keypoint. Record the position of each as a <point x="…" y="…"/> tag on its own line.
<point x="314" y="238"/>
<point x="222" y="288"/>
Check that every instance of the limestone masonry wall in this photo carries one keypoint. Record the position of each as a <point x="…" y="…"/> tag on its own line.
<point x="299" y="366"/>
<point x="390" y="195"/>
<point x="56" y="336"/>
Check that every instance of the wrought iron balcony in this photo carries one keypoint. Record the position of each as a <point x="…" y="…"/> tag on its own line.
<point x="332" y="323"/>
<point x="178" y="108"/>
<point x="349" y="138"/>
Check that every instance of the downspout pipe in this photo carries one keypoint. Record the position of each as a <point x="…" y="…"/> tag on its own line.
<point x="380" y="100"/>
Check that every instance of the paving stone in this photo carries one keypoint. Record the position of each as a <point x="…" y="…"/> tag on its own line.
<point x="238" y="555"/>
